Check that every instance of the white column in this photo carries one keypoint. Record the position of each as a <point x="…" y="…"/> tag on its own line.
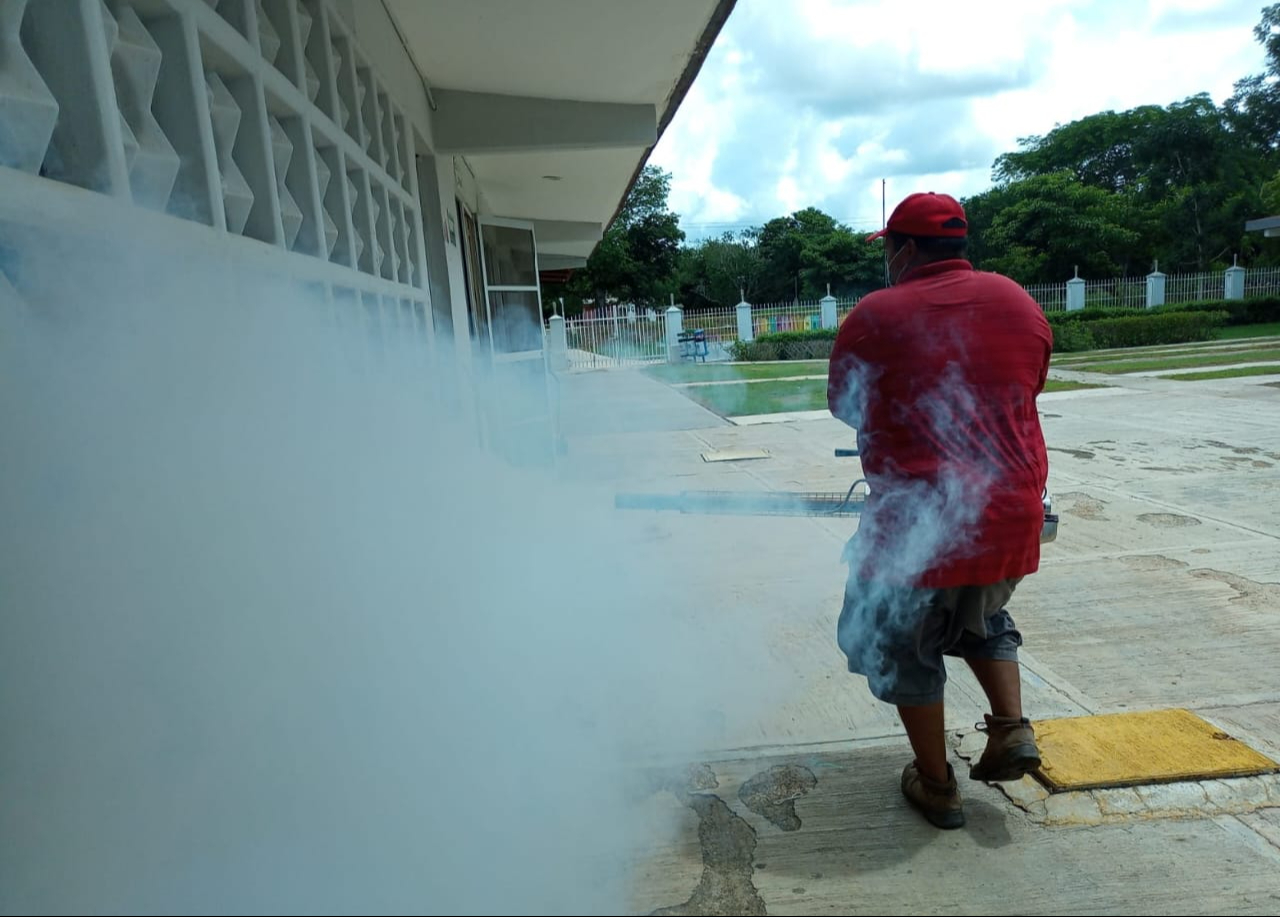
<point x="828" y="304"/>
<point x="1075" y="294"/>
<point x="1155" y="287"/>
<point x="745" y="331"/>
<point x="1233" y="283"/>
<point x="675" y="325"/>
<point x="558" y="344"/>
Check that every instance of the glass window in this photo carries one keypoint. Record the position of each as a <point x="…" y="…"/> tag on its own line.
<point x="508" y="257"/>
<point x="516" y="321"/>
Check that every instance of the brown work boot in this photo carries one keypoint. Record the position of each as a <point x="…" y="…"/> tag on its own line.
<point x="1011" y="751"/>
<point x="940" y="803"/>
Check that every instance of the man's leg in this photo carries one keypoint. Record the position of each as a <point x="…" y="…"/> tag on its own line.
<point x="1001" y="681"/>
<point x="926" y="732"/>
<point x="1011" y="749"/>
<point x="891" y="636"/>
<point x="928" y="782"/>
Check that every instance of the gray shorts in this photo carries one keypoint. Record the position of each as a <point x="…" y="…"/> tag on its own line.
<point x="897" y="636"/>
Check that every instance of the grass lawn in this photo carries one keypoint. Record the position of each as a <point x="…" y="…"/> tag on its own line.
<point x="1187" y="361"/>
<point x="1240" y="337"/>
<point x="1069" y="360"/>
<point x="680" y="373"/>
<point x="1232" y="373"/>
<point x="763" y="392"/>
<point x="797" y="395"/>
<point x="760" y="397"/>
<point x="677" y="373"/>
<point x="1062" y="385"/>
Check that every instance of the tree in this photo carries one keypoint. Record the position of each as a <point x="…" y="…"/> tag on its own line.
<point x="784" y="242"/>
<point x="845" y="260"/>
<point x="1179" y="175"/>
<point x="1102" y="150"/>
<point x="1039" y="229"/>
<point x="719" y="271"/>
<point x="637" y="258"/>
<point x="809" y="249"/>
<point x="1254" y="107"/>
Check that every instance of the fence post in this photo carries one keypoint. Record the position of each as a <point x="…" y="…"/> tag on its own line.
<point x="828" y="304"/>
<point x="1233" y="284"/>
<point x="1155" y="287"/>
<point x="675" y="325"/>
<point x="1075" y="292"/>
<point x="746" y="333"/>
<point x="558" y="343"/>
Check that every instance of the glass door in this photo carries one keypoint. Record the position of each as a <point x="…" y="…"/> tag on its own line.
<point x="512" y="293"/>
<point x="525" y="407"/>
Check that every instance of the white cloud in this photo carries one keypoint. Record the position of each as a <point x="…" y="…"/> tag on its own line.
<point x="813" y="103"/>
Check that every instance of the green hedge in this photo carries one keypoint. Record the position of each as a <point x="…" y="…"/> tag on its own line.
<point x="1141" y="330"/>
<point x="1089" y="315"/>
<point x="1088" y="329"/>
<point x="1256" y="310"/>
<point x="1253" y="311"/>
<point x="787" y="345"/>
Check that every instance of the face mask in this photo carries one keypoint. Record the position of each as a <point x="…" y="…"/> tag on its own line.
<point x="888" y="268"/>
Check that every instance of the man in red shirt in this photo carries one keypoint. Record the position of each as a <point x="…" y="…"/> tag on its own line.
<point x="939" y="376"/>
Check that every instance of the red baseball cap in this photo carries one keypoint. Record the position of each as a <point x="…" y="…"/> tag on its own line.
<point x="928" y="215"/>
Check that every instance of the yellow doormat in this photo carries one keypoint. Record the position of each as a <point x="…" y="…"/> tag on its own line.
<point x="1130" y="749"/>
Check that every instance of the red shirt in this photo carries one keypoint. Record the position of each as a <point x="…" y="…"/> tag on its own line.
<point x="939" y="375"/>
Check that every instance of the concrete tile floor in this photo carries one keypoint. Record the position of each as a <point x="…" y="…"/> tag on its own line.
<point x="1163" y="589"/>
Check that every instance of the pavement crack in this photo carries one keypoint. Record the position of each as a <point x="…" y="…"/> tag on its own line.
<point x="1152" y="562"/>
<point x="1250" y="593"/>
<point x="1168" y="520"/>
<point x="1083" y="506"/>
<point x="728" y="843"/>
<point x="772" y="794"/>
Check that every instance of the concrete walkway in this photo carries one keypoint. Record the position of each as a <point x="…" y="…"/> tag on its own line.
<point x="1161" y="591"/>
<point x="1183" y="370"/>
<point x="626" y="401"/>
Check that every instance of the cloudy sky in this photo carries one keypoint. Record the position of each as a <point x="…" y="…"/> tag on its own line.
<point x="813" y="102"/>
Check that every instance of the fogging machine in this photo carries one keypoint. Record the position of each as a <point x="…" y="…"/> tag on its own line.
<point x="783" y="503"/>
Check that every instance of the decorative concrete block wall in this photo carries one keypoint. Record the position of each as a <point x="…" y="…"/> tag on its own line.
<point x="28" y="109"/>
<point x="256" y="118"/>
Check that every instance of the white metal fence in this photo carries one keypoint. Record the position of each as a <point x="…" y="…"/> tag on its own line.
<point x="719" y="327"/>
<point x="630" y="338"/>
<point x="633" y="336"/>
<point x="1136" y="292"/>
<point x="1119" y="293"/>
<point x="1052" y="297"/>
<point x="1262" y="281"/>
<point x="1190" y="287"/>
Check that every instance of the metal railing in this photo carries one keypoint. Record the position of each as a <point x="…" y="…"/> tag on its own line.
<point x="1262" y="281"/>
<point x="635" y="336"/>
<point x="1191" y="287"/>
<point x="631" y="337"/>
<point x="1052" y="297"/>
<point x="1132" y="292"/>
<point x="1116" y="293"/>
<point x="720" y="325"/>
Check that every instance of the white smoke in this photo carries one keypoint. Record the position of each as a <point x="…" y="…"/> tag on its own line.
<point x="911" y="524"/>
<point x="279" y="637"/>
